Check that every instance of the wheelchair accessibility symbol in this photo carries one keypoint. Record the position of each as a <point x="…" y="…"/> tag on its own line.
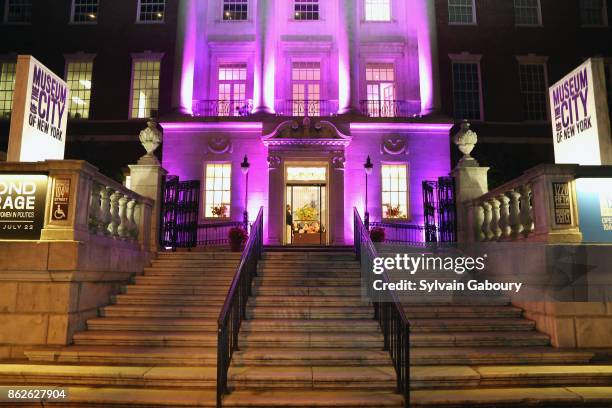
<point x="59" y="214"/>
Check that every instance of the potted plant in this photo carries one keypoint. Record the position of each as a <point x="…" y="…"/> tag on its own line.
<point x="394" y="212"/>
<point x="237" y="237"/>
<point x="220" y="211"/>
<point x="377" y="234"/>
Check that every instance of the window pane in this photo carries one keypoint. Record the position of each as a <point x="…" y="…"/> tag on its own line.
<point x="232" y="90"/>
<point x="306" y="10"/>
<point x="378" y="10"/>
<point x="7" y="86"/>
<point x="85" y="11"/>
<point x="78" y="77"/>
<point x="152" y="10"/>
<point x="608" y="70"/>
<point x="218" y="190"/>
<point x="380" y="90"/>
<point x="145" y="89"/>
<point x="466" y="91"/>
<point x="394" y="191"/>
<point x="592" y="12"/>
<point x="533" y="91"/>
<point x="306" y="89"/>
<point x="527" y="12"/>
<point x="461" y="11"/>
<point x="235" y="10"/>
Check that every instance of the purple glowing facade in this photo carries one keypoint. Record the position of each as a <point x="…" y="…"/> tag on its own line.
<point x="367" y="87"/>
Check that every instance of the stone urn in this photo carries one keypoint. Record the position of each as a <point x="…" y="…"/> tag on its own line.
<point x="466" y="140"/>
<point x="150" y="137"/>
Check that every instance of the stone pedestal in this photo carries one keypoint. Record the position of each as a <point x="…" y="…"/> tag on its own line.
<point x="147" y="180"/>
<point x="470" y="183"/>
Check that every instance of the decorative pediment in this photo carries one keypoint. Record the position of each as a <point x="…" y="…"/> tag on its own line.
<point x="306" y="132"/>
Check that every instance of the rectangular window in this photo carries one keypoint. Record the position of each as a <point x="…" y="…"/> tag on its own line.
<point x="145" y="88"/>
<point x="380" y="83"/>
<point x="151" y="10"/>
<point x="84" y="11"/>
<point x="533" y="91"/>
<point x="306" y="10"/>
<point x="7" y="86"/>
<point x="232" y="90"/>
<point x="395" y="191"/>
<point x="78" y="77"/>
<point x="18" y="11"/>
<point x="592" y="12"/>
<point x="466" y="91"/>
<point x="218" y="190"/>
<point x="378" y="10"/>
<point x="235" y="10"/>
<point x="306" y="89"/>
<point x="608" y="70"/>
<point x="461" y="12"/>
<point x="527" y="12"/>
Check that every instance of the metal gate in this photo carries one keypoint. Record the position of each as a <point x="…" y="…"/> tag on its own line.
<point x="180" y="213"/>
<point x="439" y="209"/>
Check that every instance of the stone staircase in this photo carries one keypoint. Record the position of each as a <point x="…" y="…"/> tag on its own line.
<point x="154" y="346"/>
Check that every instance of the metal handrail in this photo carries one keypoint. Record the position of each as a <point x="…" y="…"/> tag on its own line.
<point x="390" y="315"/>
<point x="233" y="311"/>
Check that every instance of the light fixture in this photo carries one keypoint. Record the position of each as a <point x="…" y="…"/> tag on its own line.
<point x="368" y="166"/>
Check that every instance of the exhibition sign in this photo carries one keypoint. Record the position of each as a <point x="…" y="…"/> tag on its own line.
<point x="580" y="116"/>
<point x="22" y="205"/>
<point x="40" y="113"/>
<point x="594" y="197"/>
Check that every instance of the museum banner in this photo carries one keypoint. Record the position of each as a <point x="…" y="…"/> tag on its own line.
<point x="22" y="205"/>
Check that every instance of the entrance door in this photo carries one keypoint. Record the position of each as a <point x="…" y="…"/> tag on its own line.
<point x="306" y="214"/>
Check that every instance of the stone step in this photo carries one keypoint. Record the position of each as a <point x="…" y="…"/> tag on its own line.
<point x="311" y="312"/>
<point x="432" y="311"/>
<point x="289" y="290"/>
<point x="164" y="377"/>
<point x="309" y="325"/>
<point x="466" y="325"/>
<point x="189" y="272"/>
<point x="311" y="281"/>
<point x="146" y="338"/>
<point x="306" y="273"/>
<point x="310" y="357"/>
<point x="459" y="301"/>
<point x="152" y="324"/>
<point x="183" y="280"/>
<point x="178" y="300"/>
<point x="124" y="355"/>
<point x="475" y="339"/>
<point x="574" y="397"/>
<point x="312" y="399"/>
<point x="313" y="378"/>
<point x="311" y="340"/>
<point x="299" y="265"/>
<point x="164" y="290"/>
<point x="309" y="256"/>
<point x="495" y="356"/>
<point x="161" y="311"/>
<point x="307" y="301"/>
<point x="216" y="255"/>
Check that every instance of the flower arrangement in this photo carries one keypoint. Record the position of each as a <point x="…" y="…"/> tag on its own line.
<point x="220" y="211"/>
<point x="237" y="236"/>
<point x="307" y="213"/>
<point x="377" y="234"/>
<point x="394" y="212"/>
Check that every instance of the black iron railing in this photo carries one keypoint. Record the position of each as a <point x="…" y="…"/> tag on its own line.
<point x="216" y="233"/>
<point x="390" y="109"/>
<point x="402" y="233"/>
<point x="212" y="108"/>
<point x="233" y="311"/>
<point x="311" y="108"/>
<point x="390" y="315"/>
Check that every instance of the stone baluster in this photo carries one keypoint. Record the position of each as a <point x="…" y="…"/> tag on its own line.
<point x="478" y="223"/>
<point x="93" y="217"/>
<point x="504" y="216"/>
<point x="105" y="215"/>
<point x="515" y="214"/>
<point x="526" y="210"/>
<point x="486" y="222"/>
<point x="495" y="229"/>
<point x="113" y="227"/>
<point x="132" y="226"/>
<point x="122" y="228"/>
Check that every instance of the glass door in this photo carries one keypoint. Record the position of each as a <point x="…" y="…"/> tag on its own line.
<point x="306" y="214"/>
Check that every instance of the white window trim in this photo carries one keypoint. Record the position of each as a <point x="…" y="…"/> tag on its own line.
<point x="532" y="59"/>
<point x="391" y="14"/>
<point x="5" y="18"/>
<point x="220" y="13"/>
<point x="203" y="191"/>
<point x="604" y="17"/>
<point x="474" y="16"/>
<point x="538" y="24"/>
<point x="292" y="11"/>
<point x="142" y="56"/>
<point x="72" y="8"/>
<point x="80" y="57"/>
<point x="162" y="21"/>
<point x="408" y="208"/>
<point x="467" y="58"/>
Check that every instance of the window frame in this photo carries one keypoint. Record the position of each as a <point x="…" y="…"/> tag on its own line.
<point x="474" y="21"/>
<point x="382" y="191"/>
<point x="604" y="16"/>
<point x="466" y="58"/>
<point x="80" y="58"/>
<point x="204" y="192"/>
<point x="307" y="100"/>
<point x="539" y="10"/>
<point x="365" y="13"/>
<point x="222" y="13"/>
<point x="72" y="15"/>
<point x="139" y="20"/>
<point x="139" y="57"/>
<point x="5" y="19"/>
<point x="218" y="82"/>
<point x="293" y="12"/>
<point x="9" y="59"/>
<point x="543" y="62"/>
<point x="381" y="100"/>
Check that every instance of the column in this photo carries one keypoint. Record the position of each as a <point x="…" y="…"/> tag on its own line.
<point x="184" y="59"/>
<point x="147" y="180"/>
<point x="428" y="56"/>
